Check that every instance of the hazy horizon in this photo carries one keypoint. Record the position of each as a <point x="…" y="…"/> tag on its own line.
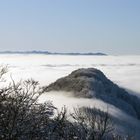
<point x="63" y="53"/>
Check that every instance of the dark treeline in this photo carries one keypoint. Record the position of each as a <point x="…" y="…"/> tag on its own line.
<point x="22" y="117"/>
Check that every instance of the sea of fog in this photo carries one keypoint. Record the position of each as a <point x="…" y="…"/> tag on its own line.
<point x="122" y="70"/>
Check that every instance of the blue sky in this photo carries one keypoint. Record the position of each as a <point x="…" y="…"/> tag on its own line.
<point x="110" y="26"/>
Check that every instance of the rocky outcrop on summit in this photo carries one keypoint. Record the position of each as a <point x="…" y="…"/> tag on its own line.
<point x="92" y="83"/>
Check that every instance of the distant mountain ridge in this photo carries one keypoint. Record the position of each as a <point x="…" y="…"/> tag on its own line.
<point x="49" y="53"/>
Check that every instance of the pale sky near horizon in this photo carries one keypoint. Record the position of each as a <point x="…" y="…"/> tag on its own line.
<point x="109" y="26"/>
